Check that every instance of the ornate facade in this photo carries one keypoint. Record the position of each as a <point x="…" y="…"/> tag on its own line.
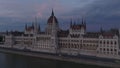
<point x="75" y="41"/>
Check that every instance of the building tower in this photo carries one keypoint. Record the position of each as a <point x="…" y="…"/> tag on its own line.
<point x="77" y="29"/>
<point x="36" y="26"/>
<point x="33" y="29"/>
<point x="83" y="27"/>
<point x="52" y="21"/>
<point x="52" y="29"/>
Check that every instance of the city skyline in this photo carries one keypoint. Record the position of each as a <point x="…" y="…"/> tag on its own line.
<point x="98" y="13"/>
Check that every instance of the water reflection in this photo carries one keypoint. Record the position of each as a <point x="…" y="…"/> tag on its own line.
<point x="17" y="61"/>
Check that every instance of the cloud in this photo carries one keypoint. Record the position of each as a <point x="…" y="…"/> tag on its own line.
<point x="99" y="13"/>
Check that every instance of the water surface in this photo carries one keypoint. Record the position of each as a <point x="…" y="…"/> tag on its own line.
<point x="18" y="61"/>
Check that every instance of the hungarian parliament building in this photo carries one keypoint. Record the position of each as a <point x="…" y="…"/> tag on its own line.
<point x="74" y="41"/>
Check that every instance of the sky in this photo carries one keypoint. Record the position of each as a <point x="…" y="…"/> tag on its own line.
<point x="14" y="14"/>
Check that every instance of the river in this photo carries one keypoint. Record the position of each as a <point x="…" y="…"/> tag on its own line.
<point x="18" y="61"/>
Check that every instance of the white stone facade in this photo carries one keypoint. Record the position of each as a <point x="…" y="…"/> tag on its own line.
<point x="75" y="41"/>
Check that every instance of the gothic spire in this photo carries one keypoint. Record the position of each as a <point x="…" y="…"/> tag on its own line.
<point x="35" y="19"/>
<point x="39" y="27"/>
<point x="82" y="21"/>
<point x="52" y="13"/>
<point x="71" y="23"/>
<point x="101" y="30"/>
<point x="78" y="21"/>
<point x="7" y="32"/>
<point x="32" y="25"/>
<point x="36" y="23"/>
<point x="74" y="23"/>
<point x="25" y="26"/>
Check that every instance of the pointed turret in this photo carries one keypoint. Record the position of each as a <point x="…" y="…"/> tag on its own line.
<point x="71" y="23"/>
<point x="7" y="32"/>
<point x="39" y="27"/>
<point x="25" y="26"/>
<point x="82" y="21"/>
<point x="35" y="20"/>
<point x="74" y="23"/>
<point x="35" y="24"/>
<point x="101" y="30"/>
<point x="78" y="21"/>
<point x="32" y="25"/>
<point x="52" y="13"/>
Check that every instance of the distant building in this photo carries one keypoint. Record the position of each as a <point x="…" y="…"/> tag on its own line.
<point x="75" y="41"/>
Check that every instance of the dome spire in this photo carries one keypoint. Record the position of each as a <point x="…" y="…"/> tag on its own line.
<point x="52" y="13"/>
<point x="52" y="18"/>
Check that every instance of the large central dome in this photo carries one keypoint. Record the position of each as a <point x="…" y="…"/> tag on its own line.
<point x="52" y="19"/>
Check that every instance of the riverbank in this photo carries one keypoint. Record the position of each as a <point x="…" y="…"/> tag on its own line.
<point x="61" y="58"/>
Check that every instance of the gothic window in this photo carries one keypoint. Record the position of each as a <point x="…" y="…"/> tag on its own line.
<point x="115" y="50"/>
<point x="111" y="42"/>
<point x="100" y="49"/>
<point x="104" y="49"/>
<point x="111" y="49"/>
<point x="75" y="46"/>
<point x="115" y="42"/>
<point x="107" y="42"/>
<point x="107" y="52"/>
<point x="104" y="42"/>
<point x="100" y="42"/>
<point x="107" y="49"/>
<point x="52" y="41"/>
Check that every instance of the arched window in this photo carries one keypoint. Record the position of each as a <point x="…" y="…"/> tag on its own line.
<point x="111" y="42"/>
<point x="115" y="42"/>
<point x="100" y="42"/>
<point x="104" y="42"/>
<point x="107" y="42"/>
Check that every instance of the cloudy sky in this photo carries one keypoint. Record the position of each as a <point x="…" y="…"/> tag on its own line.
<point x="14" y="14"/>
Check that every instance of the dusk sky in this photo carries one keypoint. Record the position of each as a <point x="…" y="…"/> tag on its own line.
<point x="14" y="14"/>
